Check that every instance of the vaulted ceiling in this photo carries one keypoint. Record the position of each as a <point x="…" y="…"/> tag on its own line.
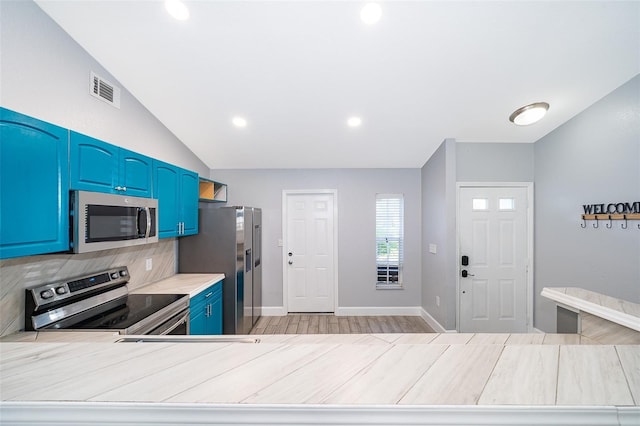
<point x="297" y="70"/>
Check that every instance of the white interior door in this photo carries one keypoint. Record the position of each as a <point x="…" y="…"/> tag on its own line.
<point x="494" y="236"/>
<point x="309" y="252"/>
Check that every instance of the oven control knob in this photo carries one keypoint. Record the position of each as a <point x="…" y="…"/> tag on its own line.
<point x="46" y="294"/>
<point x="61" y="290"/>
<point x="123" y="273"/>
<point x="114" y="276"/>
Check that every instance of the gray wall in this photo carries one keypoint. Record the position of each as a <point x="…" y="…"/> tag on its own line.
<point x="494" y="162"/>
<point x="439" y="228"/>
<point x="356" y="227"/>
<point x="593" y="158"/>
<point x="45" y="74"/>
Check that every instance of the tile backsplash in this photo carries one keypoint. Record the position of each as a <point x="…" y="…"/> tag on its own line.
<point x="20" y="273"/>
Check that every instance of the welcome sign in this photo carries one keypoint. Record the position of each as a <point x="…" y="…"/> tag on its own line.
<point x="612" y="208"/>
<point x="623" y="211"/>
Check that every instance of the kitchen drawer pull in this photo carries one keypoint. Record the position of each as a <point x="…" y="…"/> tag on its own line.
<point x="208" y="295"/>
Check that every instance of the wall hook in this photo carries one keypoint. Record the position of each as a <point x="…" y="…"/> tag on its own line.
<point x="584" y="223"/>
<point x="625" y="224"/>
<point x="610" y="224"/>
<point x="595" y="223"/>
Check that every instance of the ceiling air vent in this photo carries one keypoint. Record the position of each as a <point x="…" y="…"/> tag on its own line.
<point x="103" y="89"/>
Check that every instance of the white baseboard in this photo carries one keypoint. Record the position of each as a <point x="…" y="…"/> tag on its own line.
<point x="431" y="321"/>
<point x="413" y="311"/>
<point x="273" y="311"/>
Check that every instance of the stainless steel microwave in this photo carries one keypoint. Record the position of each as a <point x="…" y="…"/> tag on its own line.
<point x="106" y="221"/>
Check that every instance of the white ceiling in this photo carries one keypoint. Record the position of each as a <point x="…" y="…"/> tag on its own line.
<point x="296" y="70"/>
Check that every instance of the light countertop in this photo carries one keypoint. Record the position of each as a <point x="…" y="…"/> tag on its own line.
<point x="405" y="379"/>
<point x="354" y="369"/>
<point x="190" y="284"/>
<point x="615" y="310"/>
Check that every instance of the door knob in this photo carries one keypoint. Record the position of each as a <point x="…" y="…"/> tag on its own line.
<point x="465" y="274"/>
<point x="290" y="254"/>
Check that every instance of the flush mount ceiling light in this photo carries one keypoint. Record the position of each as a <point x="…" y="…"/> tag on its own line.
<point x="239" y="122"/>
<point x="529" y="114"/>
<point x="371" y="13"/>
<point x="177" y="9"/>
<point x="354" y="122"/>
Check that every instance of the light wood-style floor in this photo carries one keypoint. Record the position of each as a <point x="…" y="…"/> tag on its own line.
<point x="331" y="324"/>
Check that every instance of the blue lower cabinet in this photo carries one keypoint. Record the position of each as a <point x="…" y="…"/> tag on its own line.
<point x="206" y="311"/>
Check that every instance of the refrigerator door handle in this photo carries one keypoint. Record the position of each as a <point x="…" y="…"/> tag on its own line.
<point x="247" y="260"/>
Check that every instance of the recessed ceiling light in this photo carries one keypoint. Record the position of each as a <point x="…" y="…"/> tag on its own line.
<point x="371" y="13"/>
<point x="529" y="114"/>
<point x="354" y="122"/>
<point x="239" y="122"/>
<point x="177" y="9"/>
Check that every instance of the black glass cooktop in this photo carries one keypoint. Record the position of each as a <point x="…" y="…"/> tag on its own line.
<point x="123" y="313"/>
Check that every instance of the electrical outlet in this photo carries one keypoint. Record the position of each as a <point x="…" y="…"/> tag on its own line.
<point x="437" y="300"/>
<point x="149" y="264"/>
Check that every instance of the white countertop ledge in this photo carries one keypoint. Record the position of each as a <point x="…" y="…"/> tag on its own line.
<point x="615" y="310"/>
<point x="190" y="284"/>
<point x="73" y="413"/>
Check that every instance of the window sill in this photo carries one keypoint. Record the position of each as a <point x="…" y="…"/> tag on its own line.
<point x="382" y="286"/>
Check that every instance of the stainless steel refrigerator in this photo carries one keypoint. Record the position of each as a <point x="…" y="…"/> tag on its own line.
<point x="229" y="241"/>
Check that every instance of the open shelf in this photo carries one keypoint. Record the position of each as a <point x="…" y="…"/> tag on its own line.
<point x="212" y="191"/>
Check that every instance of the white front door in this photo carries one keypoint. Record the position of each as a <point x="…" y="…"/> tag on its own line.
<point x="494" y="243"/>
<point x="309" y="252"/>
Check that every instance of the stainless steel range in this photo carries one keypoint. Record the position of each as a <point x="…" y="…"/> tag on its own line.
<point x="101" y="302"/>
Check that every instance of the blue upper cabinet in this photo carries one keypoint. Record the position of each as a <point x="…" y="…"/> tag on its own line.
<point x="189" y="204"/>
<point x="165" y="189"/>
<point x="102" y="167"/>
<point x="34" y="186"/>
<point x="177" y="192"/>
<point x="135" y="173"/>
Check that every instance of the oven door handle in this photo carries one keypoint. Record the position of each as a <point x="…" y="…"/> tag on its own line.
<point x="171" y="325"/>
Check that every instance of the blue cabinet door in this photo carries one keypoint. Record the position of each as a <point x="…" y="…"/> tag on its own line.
<point x="198" y="319"/>
<point x="94" y="164"/>
<point x="189" y="202"/>
<point x="177" y="192"/>
<point x="101" y="167"/>
<point x="34" y="186"/>
<point x="166" y="181"/>
<point x="215" y="320"/>
<point x="135" y="173"/>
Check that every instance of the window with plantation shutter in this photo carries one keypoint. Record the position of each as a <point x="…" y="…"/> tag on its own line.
<point x="389" y="239"/>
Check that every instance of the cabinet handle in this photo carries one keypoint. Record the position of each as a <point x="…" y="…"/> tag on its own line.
<point x="118" y="188"/>
<point x="124" y="188"/>
<point x="208" y="295"/>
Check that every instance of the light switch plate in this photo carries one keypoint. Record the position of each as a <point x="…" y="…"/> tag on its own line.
<point x="280" y="242"/>
<point x="149" y="264"/>
<point x="433" y="248"/>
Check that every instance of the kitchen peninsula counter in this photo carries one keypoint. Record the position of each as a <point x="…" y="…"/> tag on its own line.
<point x="335" y="379"/>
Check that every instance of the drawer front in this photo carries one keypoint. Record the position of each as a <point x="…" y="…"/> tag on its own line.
<point x="207" y="294"/>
